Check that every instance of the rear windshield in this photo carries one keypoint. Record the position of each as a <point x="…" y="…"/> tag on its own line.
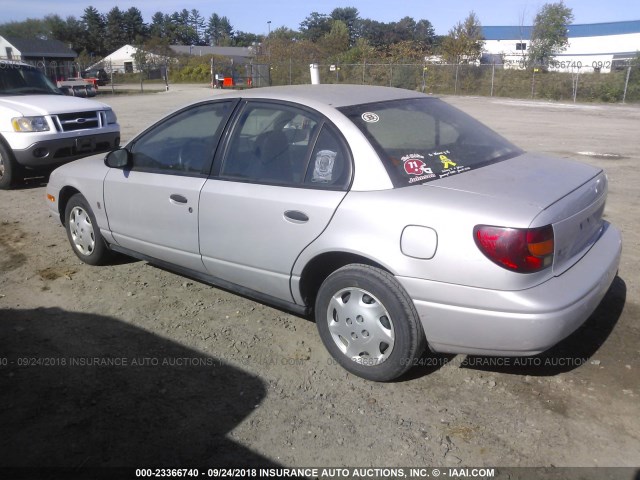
<point x="423" y="139"/>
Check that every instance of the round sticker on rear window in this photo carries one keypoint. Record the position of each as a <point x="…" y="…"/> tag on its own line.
<point x="370" y="117"/>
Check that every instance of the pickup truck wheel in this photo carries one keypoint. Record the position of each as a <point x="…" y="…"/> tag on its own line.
<point x="83" y="232"/>
<point x="10" y="171"/>
<point x="368" y="323"/>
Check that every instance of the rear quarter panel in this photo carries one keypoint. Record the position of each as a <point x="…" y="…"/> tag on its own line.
<point x="371" y="224"/>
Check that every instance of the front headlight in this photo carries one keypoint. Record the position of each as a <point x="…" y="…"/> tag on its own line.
<point x="30" y="124"/>
<point x="111" y="117"/>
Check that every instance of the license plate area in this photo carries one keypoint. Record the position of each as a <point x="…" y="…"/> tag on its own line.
<point x="85" y="144"/>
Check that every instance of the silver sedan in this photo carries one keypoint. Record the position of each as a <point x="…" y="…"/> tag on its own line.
<point x="400" y="222"/>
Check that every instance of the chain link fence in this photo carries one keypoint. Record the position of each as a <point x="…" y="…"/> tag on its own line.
<point x="584" y="84"/>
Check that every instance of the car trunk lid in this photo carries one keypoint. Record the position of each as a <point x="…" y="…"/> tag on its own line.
<point x="568" y="195"/>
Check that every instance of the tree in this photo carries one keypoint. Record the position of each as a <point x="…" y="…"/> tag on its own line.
<point x="115" y="35"/>
<point x="184" y="33"/>
<point x="359" y="53"/>
<point x="52" y="27"/>
<point x="315" y="26"/>
<point x="549" y="34"/>
<point x="337" y="40"/>
<point x="383" y="36"/>
<point x="28" y="28"/>
<point x="374" y="32"/>
<point x="134" y="25"/>
<point x="285" y="33"/>
<point x="424" y="32"/>
<point x="407" y="51"/>
<point x="246" y="39"/>
<point x="94" y="32"/>
<point x="226" y="31"/>
<point x="219" y="30"/>
<point x="158" y="26"/>
<point x="351" y="18"/>
<point x="197" y="22"/>
<point x="464" y="42"/>
<point x="67" y="31"/>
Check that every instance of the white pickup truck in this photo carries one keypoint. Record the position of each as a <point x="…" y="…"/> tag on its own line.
<point x="40" y="128"/>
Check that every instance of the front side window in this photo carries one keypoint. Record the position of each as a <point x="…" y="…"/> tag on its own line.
<point x="185" y="143"/>
<point x="424" y="139"/>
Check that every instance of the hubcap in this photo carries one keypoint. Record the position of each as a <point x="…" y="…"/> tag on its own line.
<point x="81" y="229"/>
<point x="360" y="326"/>
<point x="1" y="166"/>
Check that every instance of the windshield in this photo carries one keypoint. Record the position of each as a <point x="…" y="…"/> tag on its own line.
<point x="423" y="139"/>
<point x="23" y="80"/>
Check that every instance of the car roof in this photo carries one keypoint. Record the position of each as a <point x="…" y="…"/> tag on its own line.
<point x="335" y="96"/>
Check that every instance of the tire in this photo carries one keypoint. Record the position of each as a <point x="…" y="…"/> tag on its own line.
<point x="10" y="171"/>
<point x="368" y="323"/>
<point x="83" y="232"/>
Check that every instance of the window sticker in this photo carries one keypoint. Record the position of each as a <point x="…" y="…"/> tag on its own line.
<point x="414" y="165"/>
<point x="449" y="167"/>
<point x="323" y="168"/>
<point x="453" y="171"/>
<point x="446" y="162"/>
<point x="370" y="117"/>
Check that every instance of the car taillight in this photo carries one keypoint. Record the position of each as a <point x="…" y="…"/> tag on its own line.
<point x="523" y="250"/>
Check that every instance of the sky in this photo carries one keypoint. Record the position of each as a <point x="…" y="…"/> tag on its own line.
<point x="253" y="15"/>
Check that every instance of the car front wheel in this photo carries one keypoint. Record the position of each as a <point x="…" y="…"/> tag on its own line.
<point x="10" y="171"/>
<point x="368" y="323"/>
<point x="83" y="232"/>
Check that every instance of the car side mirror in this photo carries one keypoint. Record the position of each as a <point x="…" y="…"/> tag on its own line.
<point x="120" y="158"/>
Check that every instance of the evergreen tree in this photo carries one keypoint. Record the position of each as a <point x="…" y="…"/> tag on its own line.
<point x="133" y="25"/>
<point x="94" y="32"/>
<point x="115" y="35"/>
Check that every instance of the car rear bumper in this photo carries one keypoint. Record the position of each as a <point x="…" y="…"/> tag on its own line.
<point x="460" y="319"/>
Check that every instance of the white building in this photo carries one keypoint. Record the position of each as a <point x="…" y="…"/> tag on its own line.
<point x="122" y="60"/>
<point x="592" y="47"/>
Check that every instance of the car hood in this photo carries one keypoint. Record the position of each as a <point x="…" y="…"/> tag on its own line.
<point x="49" y="104"/>
<point x="536" y="180"/>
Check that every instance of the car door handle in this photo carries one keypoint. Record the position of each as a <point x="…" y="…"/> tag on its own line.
<point x="296" y="216"/>
<point x="178" y="198"/>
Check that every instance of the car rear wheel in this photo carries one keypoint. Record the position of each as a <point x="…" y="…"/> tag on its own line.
<point x="10" y="171"/>
<point x="83" y="232"/>
<point x="368" y="323"/>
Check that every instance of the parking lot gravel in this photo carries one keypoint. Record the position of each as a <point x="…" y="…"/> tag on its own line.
<point x="131" y="365"/>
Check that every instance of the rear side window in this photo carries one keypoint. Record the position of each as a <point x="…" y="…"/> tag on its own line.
<point x="424" y="139"/>
<point x="277" y="144"/>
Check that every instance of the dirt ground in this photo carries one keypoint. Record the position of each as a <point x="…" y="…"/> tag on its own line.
<point x="130" y="365"/>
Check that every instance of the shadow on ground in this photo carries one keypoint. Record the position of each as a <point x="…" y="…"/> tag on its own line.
<point x="82" y="390"/>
